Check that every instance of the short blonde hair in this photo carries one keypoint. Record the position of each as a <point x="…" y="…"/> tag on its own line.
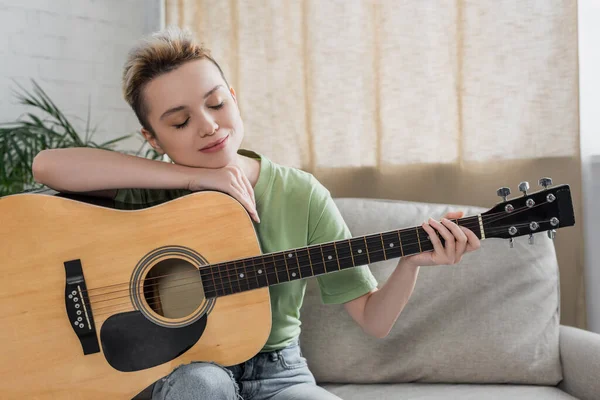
<point x="160" y="53"/>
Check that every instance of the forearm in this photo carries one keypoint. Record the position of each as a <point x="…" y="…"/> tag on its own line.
<point x="87" y="169"/>
<point x="385" y="305"/>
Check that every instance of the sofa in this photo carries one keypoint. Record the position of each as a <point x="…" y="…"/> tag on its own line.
<point x="486" y="328"/>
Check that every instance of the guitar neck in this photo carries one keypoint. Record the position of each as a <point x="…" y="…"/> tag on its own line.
<point x="275" y="268"/>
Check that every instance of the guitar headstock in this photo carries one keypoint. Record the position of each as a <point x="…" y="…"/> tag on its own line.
<point x="546" y="210"/>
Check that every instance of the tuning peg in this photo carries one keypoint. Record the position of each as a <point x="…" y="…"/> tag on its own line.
<point x="511" y="242"/>
<point x="531" y="241"/>
<point x="552" y="233"/>
<point x="503" y="192"/>
<point x="545" y="182"/>
<point x="524" y="187"/>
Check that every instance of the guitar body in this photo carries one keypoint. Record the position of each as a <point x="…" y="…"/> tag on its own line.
<point x="78" y="278"/>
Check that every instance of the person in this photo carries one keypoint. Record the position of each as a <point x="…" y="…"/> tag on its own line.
<point x="188" y="111"/>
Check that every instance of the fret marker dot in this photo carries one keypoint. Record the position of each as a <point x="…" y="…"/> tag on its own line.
<point x="359" y="251"/>
<point x="290" y="255"/>
<point x="241" y="275"/>
<point x="293" y="274"/>
<point x="260" y="271"/>
<point x="391" y="244"/>
<point x="329" y="257"/>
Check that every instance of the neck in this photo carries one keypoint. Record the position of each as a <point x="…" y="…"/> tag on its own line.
<point x="275" y="268"/>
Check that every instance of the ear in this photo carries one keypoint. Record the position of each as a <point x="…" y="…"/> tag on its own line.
<point x="150" y="138"/>
<point x="233" y="94"/>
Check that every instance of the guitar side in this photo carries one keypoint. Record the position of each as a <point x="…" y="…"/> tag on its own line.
<point x="42" y="357"/>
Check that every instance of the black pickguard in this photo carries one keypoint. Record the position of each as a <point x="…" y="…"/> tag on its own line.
<point x="132" y="343"/>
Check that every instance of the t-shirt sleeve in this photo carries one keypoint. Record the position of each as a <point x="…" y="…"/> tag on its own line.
<point x="326" y="225"/>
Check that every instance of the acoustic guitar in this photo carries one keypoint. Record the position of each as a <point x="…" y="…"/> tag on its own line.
<point x="98" y="303"/>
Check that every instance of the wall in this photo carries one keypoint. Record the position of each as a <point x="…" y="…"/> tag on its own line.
<point x="75" y="50"/>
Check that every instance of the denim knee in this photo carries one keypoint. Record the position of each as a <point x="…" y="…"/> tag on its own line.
<point x="196" y="381"/>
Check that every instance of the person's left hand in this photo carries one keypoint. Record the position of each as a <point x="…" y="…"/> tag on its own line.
<point x="458" y="241"/>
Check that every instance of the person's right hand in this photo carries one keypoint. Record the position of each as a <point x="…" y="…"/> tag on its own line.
<point x="231" y="180"/>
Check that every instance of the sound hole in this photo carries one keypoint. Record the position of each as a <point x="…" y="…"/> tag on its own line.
<point x="173" y="288"/>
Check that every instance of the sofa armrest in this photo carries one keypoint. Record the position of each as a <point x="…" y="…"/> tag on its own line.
<point x="580" y="357"/>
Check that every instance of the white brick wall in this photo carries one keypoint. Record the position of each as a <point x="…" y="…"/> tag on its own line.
<point x="75" y="50"/>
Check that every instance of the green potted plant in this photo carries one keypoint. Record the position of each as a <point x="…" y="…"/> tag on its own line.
<point x="23" y="139"/>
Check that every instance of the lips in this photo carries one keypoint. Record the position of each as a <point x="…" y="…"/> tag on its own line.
<point x="216" y="143"/>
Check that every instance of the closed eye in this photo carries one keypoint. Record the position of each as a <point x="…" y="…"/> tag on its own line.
<point x="220" y="105"/>
<point x="182" y="125"/>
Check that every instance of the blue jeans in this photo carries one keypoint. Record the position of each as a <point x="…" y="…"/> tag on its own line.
<point x="278" y="375"/>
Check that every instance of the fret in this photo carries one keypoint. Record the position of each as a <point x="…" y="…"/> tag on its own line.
<point x="400" y="240"/>
<point x="242" y="276"/>
<point x="359" y="251"/>
<point x="305" y="262"/>
<point x="330" y="257"/>
<point x="344" y="253"/>
<point x="376" y="251"/>
<point x="281" y="268"/>
<point x="410" y="243"/>
<point x="229" y="276"/>
<point x="208" y="282"/>
<point x="425" y="241"/>
<point x="250" y="274"/>
<point x="337" y="257"/>
<point x="367" y="249"/>
<point x="293" y="266"/>
<point x="391" y="245"/>
<point x="269" y="264"/>
<point x="260" y="271"/>
<point x="418" y="239"/>
<point x="383" y="246"/>
<point x="317" y="261"/>
<point x="225" y="281"/>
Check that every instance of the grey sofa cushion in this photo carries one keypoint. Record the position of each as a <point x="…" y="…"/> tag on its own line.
<point x="493" y="318"/>
<point x="415" y="391"/>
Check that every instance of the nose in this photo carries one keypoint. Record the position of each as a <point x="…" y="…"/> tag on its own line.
<point x="208" y="126"/>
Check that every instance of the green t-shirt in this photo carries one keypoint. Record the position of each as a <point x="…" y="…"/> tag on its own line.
<point x="295" y="211"/>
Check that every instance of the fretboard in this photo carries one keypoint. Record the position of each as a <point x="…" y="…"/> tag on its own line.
<point x="274" y="268"/>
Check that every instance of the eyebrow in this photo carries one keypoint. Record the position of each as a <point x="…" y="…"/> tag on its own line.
<point x="179" y="108"/>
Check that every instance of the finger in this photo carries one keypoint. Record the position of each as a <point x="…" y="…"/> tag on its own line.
<point x="459" y="236"/>
<point x="473" y="242"/>
<point x="449" y="240"/>
<point x="242" y="196"/>
<point x="248" y="187"/>
<point x="454" y="215"/>
<point x="438" y="248"/>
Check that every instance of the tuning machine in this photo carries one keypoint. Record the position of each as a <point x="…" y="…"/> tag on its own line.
<point x="545" y="182"/>
<point x="503" y="192"/>
<point x="524" y="187"/>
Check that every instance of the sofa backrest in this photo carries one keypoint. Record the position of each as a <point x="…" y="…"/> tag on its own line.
<point x="492" y="318"/>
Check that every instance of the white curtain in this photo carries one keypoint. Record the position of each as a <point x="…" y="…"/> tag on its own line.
<point x="440" y="101"/>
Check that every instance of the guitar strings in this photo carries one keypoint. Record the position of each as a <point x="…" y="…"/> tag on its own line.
<point x="468" y="224"/>
<point x="129" y="306"/>
<point x="278" y="254"/>
<point x="227" y="276"/>
<point x="174" y="286"/>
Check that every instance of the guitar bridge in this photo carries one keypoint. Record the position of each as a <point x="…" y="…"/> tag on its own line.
<point x="79" y="311"/>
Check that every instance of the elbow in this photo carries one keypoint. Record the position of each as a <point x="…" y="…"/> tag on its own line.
<point x="381" y="335"/>
<point x="378" y="333"/>
<point x="40" y="166"/>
